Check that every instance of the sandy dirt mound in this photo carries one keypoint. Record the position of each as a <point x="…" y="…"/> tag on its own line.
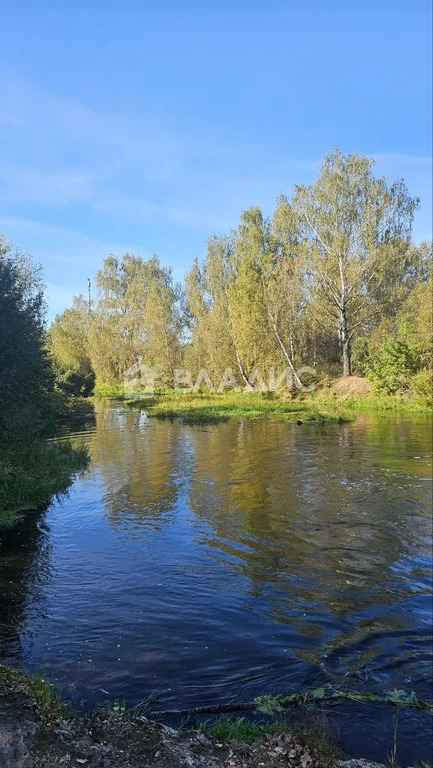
<point x="352" y="386"/>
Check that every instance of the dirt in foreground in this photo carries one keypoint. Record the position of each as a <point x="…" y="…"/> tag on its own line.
<point x="33" y="735"/>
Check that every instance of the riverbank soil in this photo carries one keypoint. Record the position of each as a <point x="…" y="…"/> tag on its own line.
<point x="352" y="386"/>
<point x="33" y="735"/>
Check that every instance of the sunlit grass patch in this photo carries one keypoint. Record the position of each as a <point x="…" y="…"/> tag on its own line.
<point x="200" y="408"/>
<point x="380" y="402"/>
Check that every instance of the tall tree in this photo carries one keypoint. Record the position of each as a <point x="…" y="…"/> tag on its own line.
<point x="253" y="249"/>
<point x="215" y="344"/>
<point x="67" y="343"/>
<point x="136" y="317"/>
<point x="162" y="327"/>
<point x="355" y="228"/>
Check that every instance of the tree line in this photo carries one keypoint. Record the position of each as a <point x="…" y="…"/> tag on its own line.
<point x="332" y="279"/>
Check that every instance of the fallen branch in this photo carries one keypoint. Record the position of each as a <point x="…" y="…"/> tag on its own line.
<point x="271" y="704"/>
<point x="216" y="709"/>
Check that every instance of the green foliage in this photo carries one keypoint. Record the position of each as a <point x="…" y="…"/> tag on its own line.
<point x="326" y="402"/>
<point x="414" y="324"/>
<point x="75" y="383"/>
<point x="31" y="468"/>
<point x="314" y="732"/>
<point x="25" y="373"/>
<point x="318" y="693"/>
<point x="143" y="709"/>
<point x="268" y="705"/>
<point x="390" y="368"/>
<point x="67" y="345"/>
<point x="32" y="473"/>
<point x="330" y="276"/>
<point x="355" y="230"/>
<point x="136" y="318"/>
<point x="48" y="696"/>
<point x="397" y="357"/>
<point x="421" y="384"/>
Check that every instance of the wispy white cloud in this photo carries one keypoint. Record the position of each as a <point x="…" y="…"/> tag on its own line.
<point x="138" y="154"/>
<point x="62" y="245"/>
<point x="48" y="188"/>
<point x="103" y="172"/>
<point x="188" y="217"/>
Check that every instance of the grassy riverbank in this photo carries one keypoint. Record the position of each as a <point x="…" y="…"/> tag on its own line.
<point x="34" y="469"/>
<point x="201" y="408"/>
<point x="39" y="728"/>
<point x="208" y="407"/>
<point x="354" y="405"/>
<point x="32" y="473"/>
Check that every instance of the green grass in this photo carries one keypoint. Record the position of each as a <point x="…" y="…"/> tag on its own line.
<point x="47" y="696"/>
<point x="415" y="404"/>
<point x="211" y="408"/>
<point x="311" y="729"/>
<point x="241" y="729"/>
<point x="108" y="390"/>
<point x="33" y="472"/>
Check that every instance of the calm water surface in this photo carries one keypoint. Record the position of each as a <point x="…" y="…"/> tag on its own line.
<point x="218" y="563"/>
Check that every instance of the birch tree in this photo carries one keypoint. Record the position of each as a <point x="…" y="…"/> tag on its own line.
<point x="136" y="318"/>
<point x="354" y="228"/>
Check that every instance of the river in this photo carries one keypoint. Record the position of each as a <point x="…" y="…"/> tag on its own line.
<point x="218" y="563"/>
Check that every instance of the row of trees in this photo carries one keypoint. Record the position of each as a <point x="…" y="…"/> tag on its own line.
<point x="330" y="279"/>
<point x="137" y="316"/>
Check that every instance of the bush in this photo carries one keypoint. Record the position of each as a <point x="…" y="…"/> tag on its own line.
<point x="421" y="384"/>
<point x="32" y="472"/>
<point x="389" y="370"/>
<point x="77" y="383"/>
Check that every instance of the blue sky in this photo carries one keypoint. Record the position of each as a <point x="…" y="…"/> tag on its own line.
<point x="148" y="126"/>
